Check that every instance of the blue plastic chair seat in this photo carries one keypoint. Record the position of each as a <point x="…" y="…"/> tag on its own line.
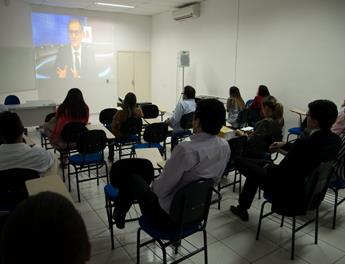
<point x="148" y="145"/>
<point x="129" y="139"/>
<point x="338" y="184"/>
<point x="111" y="192"/>
<point x="173" y="234"/>
<point x="295" y="130"/>
<point x="268" y="197"/>
<point x="84" y="159"/>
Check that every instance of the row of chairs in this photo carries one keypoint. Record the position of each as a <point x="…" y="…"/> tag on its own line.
<point x="155" y="134"/>
<point x="316" y="187"/>
<point x="189" y="211"/>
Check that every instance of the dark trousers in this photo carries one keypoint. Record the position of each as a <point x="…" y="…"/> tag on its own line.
<point x="257" y="174"/>
<point x="133" y="187"/>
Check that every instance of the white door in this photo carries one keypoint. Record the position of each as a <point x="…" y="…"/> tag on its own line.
<point x="142" y="76"/>
<point x="134" y="74"/>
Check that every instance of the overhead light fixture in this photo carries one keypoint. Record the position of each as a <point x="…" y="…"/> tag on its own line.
<point x="113" y="5"/>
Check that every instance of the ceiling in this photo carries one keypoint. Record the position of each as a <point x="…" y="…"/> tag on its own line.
<point x="142" y="7"/>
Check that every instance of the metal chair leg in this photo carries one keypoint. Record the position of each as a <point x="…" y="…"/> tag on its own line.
<point x="205" y="245"/>
<point x="282" y="221"/>
<point x="335" y="207"/>
<point x="293" y="238"/>
<point x="138" y="246"/>
<point x="77" y="182"/>
<point x="260" y="220"/>
<point x="316" y="225"/>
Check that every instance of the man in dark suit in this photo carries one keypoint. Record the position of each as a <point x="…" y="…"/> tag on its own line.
<point x="77" y="59"/>
<point x="287" y="179"/>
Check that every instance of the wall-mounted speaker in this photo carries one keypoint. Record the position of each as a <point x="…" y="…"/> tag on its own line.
<point x="184" y="59"/>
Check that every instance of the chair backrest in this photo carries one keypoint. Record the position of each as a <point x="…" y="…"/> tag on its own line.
<point x="316" y="185"/>
<point x="191" y="204"/>
<point x="150" y="111"/>
<point x="72" y="131"/>
<point x="11" y="100"/>
<point x="303" y="196"/>
<point x="186" y="121"/>
<point x="243" y="117"/>
<point x="49" y="117"/>
<point x="12" y="187"/>
<point x="237" y="147"/>
<point x="156" y="132"/>
<point x="123" y="167"/>
<point x="92" y="141"/>
<point x="106" y="115"/>
<point x="132" y="126"/>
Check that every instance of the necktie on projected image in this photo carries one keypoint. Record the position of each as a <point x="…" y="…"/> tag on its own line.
<point x="77" y="63"/>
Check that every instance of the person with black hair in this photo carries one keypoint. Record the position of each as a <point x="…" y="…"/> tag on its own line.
<point x="286" y="180"/>
<point x="256" y="106"/>
<point x="14" y="153"/>
<point x="45" y="228"/>
<point x="72" y="109"/>
<point x="205" y="156"/>
<point x="186" y="106"/>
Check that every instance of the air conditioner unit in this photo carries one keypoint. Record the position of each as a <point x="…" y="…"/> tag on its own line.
<point x="187" y="12"/>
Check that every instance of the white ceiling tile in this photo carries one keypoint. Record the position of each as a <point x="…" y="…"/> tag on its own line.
<point x="142" y="7"/>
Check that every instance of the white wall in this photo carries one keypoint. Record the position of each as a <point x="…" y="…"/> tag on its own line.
<point x="15" y="31"/>
<point x="211" y="42"/>
<point x="295" y="47"/>
<point x="131" y="33"/>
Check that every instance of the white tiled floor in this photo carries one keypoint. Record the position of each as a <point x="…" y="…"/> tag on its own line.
<point x="230" y="240"/>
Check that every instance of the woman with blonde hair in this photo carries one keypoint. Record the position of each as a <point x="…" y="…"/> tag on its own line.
<point x="267" y="130"/>
<point x="234" y="105"/>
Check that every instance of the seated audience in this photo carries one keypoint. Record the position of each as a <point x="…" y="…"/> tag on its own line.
<point x="45" y="228"/>
<point x="286" y="180"/>
<point x="129" y="109"/>
<point x="339" y="125"/>
<point x="205" y="156"/>
<point x="267" y="130"/>
<point x="234" y="105"/>
<point x="186" y="106"/>
<point x="256" y="105"/>
<point x="72" y="109"/>
<point x="14" y="153"/>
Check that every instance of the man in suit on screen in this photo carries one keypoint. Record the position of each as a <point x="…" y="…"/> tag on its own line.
<point x="75" y="60"/>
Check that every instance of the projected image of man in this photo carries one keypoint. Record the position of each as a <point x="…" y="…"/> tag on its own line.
<point x="75" y="60"/>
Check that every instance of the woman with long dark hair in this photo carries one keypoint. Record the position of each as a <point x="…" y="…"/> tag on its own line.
<point x="129" y="109"/>
<point x="256" y="105"/>
<point x="72" y="109"/>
